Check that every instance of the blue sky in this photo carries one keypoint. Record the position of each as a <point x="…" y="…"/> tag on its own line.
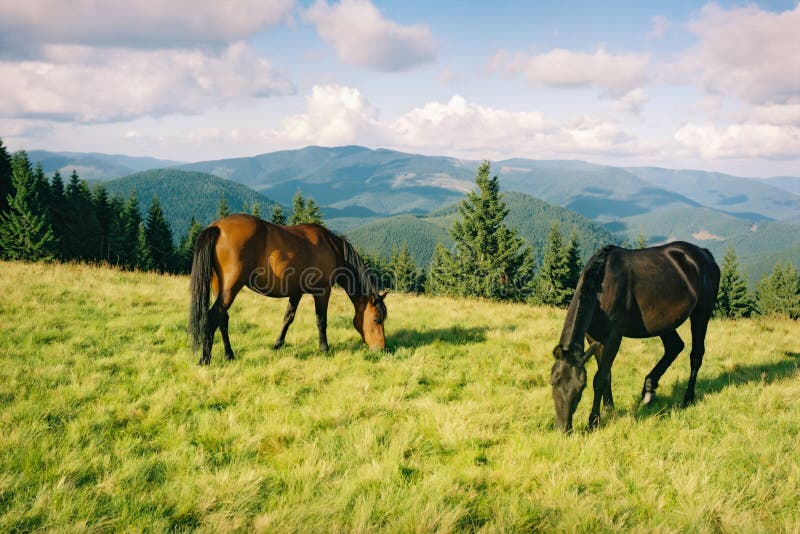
<point x="676" y="84"/>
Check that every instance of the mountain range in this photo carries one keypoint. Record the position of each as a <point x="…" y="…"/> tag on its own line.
<point x="383" y="197"/>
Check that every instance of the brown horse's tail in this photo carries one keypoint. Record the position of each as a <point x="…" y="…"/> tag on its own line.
<point x="202" y="269"/>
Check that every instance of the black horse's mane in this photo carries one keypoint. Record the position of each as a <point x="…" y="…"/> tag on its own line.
<point x="583" y="302"/>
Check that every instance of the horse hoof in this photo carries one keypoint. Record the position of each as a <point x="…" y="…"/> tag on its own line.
<point x="594" y="421"/>
<point x="203" y="362"/>
<point x="323" y="348"/>
<point x="229" y="356"/>
<point x="648" y="398"/>
<point x="688" y="401"/>
<point x="277" y="345"/>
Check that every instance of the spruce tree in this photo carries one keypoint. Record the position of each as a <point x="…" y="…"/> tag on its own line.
<point x="6" y="183"/>
<point x="554" y="282"/>
<point x="223" y="210"/>
<point x="733" y="298"/>
<point x="119" y="247"/>
<point x="641" y="242"/>
<point x="442" y="278"/>
<point x="298" y="209"/>
<point x="131" y="223"/>
<point x="779" y="293"/>
<point x="490" y="260"/>
<point x="58" y="205"/>
<point x="186" y="248"/>
<point x="405" y="277"/>
<point x="256" y="211"/>
<point x="25" y="231"/>
<point x="574" y="263"/>
<point x="313" y="212"/>
<point x="278" y="216"/>
<point x="158" y="237"/>
<point x="144" y="259"/>
<point x="102" y="211"/>
<point x="80" y="237"/>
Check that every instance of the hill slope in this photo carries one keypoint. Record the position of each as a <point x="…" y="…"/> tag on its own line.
<point x="111" y="426"/>
<point x="94" y="166"/>
<point x="743" y="197"/>
<point x="184" y="195"/>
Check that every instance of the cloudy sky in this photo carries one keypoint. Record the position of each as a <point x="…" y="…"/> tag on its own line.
<point x="677" y="84"/>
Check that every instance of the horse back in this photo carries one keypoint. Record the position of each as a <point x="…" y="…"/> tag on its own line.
<point x="652" y="291"/>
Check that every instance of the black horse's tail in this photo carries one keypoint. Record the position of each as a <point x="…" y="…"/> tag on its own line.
<point x="202" y="269"/>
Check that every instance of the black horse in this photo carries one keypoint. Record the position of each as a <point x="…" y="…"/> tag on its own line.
<point x="632" y="293"/>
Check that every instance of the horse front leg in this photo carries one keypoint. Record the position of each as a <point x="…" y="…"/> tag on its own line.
<point x="321" y="307"/>
<point x="602" y="379"/>
<point x="608" y="398"/>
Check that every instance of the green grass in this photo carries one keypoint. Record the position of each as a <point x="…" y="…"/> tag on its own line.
<point x="108" y="424"/>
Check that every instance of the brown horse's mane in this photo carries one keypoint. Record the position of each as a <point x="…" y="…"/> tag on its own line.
<point x="581" y="308"/>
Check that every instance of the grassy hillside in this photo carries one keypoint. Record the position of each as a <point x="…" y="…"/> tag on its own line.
<point x="110" y="425"/>
<point x="531" y="216"/>
<point x="184" y="195"/>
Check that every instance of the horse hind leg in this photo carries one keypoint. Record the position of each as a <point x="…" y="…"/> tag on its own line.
<point x="673" y="345"/>
<point x="223" y="304"/>
<point x="699" y="328"/>
<point x="288" y="319"/>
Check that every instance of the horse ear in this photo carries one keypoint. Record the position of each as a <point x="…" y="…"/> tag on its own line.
<point x="558" y="352"/>
<point x="590" y="351"/>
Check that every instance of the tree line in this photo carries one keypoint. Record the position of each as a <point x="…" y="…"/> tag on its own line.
<point x="50" y="220"/>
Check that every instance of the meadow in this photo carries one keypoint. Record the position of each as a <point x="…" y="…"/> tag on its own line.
<point x="108" y="424"/>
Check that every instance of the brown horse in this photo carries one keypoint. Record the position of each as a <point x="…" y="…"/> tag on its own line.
<point x="632" y="293"/>
<point x="278" y="261"/>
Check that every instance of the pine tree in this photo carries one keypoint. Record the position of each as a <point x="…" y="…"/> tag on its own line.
<point x="158" y="237"/>
<point x="119" y="247"/>
<point x="25" y="231"/>
<point x="186" y="248"/>
<point x="6" y="183"/>
<point x="144" y="259"/>
<point x="313" y="212"/>
<point x="131" y="223"/>
<point x="405" y="277"/>
<point x="641" y="242"/>
<point x="554" y="282"/>
<point x="102" y="211"/>
<point x="304" y="211"/>
<point x="256" y="211"/>
<point x="733" y="298"/>
<point x="298" y="209"/>
<point x="779" y="293"/>
<point x="490" y="260"/>
<point x="442" y="279"/>
<point x="278" y="216"/>
<point x="58" y="206"/>
<point x="223" y="210"/>
<point x="574" y="263"/>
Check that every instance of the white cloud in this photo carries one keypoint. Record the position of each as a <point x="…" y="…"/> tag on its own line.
<point x="660" y="26"/>
<point x="338" y="115"/>
<point x="615" y="75"/>
<point x="335" y="115"/>
<point x="25" y="25"/>
<point x="76" y="83"/>
<point x="633" y="101"/>
<point x="363" y="37"/>
<point x="740" y="140"/>
<point x="745" y="53"/>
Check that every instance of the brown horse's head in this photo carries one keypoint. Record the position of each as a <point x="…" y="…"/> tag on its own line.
<point x="568" y="378"/>
<point x="369" y="319"/>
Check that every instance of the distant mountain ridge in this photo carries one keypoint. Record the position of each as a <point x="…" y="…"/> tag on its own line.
<point x="94" y="166"/>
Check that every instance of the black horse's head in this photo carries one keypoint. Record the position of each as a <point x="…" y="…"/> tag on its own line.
<point x="568" y="378"/>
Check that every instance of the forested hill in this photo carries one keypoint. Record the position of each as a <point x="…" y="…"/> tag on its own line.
<point x="185" y="194"/>
<point x="531" y="216"/>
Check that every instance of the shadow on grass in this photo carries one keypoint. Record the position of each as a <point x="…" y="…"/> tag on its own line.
<point x="454" y="335"/>
<point x="745" y="374"/>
